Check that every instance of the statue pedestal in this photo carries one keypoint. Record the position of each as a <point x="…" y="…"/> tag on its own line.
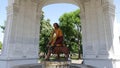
<point x="56" y="64"/>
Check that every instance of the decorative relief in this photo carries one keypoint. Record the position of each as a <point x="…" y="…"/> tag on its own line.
<point x="12" y="9"/>
<point x="23" y="40"/>
<point x="103" y="52"/>
<point x="87" y="0"/>
<point x="18" y="50"/>
<point x="89" y="49"/>
<point x="108" y="7"/>
<point x="31" y="50"/>
<point x="107" y="1"/>
<point x="36" y="1"/>
<point x="28" y="50"/>
<point x="40" y="3"/>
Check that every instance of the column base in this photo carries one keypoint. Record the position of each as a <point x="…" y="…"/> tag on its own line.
<point x="101" y="63"/>
<point x="4" y="63"/>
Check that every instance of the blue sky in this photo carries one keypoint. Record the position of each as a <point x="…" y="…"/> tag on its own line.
<point x="3" y="4"/>
<point x="53" y="12"/>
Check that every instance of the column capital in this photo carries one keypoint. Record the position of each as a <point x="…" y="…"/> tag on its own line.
<point x="85" y="0"/>
<point x="12" y="9"/>
<point x="109" y="8"/>
<point x="36" y="1"/>
<point x="107" y="1"/>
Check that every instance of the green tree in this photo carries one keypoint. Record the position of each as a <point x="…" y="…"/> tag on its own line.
<point x="71" y="27"/>
<point x="44" y="35"/>
<point x="3" y="27"/>
<point x="45" y="30"/>
<point x="0" y="45"/>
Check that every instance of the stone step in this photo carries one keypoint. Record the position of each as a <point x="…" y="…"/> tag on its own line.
<point x="29" y="66"/>
<point x="56" y="64"/>
<point x="80" y="66"/>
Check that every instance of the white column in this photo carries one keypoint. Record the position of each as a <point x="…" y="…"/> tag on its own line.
<point x="90" y="29"/>
<point x="98" y="49"/>
<point x="21" y="42"/>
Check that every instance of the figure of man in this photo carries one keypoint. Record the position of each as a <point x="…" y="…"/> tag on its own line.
<point x="55" y="40"/>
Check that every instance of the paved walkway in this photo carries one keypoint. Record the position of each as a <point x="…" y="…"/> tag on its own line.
<point x="77" y="61"/>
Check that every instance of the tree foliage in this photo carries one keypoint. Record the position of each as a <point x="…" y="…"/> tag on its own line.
<point x="45" y="30"/>
<point x="3" y="27"/>
<point x="0" y="45"/>
<point x="71" y="27"/>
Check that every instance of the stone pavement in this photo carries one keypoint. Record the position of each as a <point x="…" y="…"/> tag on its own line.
<point x="56" y="64"/>
<point x="80" y="66"/>
<point x="77" y="61"/>
<point x="29" y="66"/>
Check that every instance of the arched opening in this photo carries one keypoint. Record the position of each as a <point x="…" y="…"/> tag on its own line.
<point x="58" y="11"/>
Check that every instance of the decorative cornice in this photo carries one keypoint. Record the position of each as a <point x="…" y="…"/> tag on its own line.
<point x="107" y="1"/>
<point x="85" y="1"/>
<point x="37" y="1"/>
<point x="12" y="9"/>
<point x="108" y="7"/>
